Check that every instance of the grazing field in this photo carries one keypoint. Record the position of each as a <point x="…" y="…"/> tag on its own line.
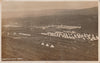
<point x="32" y="45"/>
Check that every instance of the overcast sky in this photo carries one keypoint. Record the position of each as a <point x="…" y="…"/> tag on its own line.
<point x="25" y="6"/>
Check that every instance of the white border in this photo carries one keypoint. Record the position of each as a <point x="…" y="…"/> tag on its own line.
<point x="50" y="0"/>
<point x="0" y="31"/>
<point x="54" y="61"/>
<point x="99" y="30"/>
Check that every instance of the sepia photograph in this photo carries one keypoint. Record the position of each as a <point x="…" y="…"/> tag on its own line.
<point x="49" y="31"/>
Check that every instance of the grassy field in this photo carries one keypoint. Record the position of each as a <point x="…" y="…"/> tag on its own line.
<point x="30" y="48"/>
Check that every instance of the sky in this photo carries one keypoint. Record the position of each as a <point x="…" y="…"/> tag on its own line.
<point x="25" y="6"/>
<point x="13" y="9"/>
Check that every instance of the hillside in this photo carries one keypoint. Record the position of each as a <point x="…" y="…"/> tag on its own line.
<point x="87" y="18"/>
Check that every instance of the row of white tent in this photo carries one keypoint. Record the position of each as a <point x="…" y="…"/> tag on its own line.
<point x="68" y="35"/>
<point x="47" y="45"/>
<point x="14" y="33"/>
<point x="58" y="26"/>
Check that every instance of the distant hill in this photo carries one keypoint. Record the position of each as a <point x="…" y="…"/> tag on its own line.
<point x="87" y="18"/>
